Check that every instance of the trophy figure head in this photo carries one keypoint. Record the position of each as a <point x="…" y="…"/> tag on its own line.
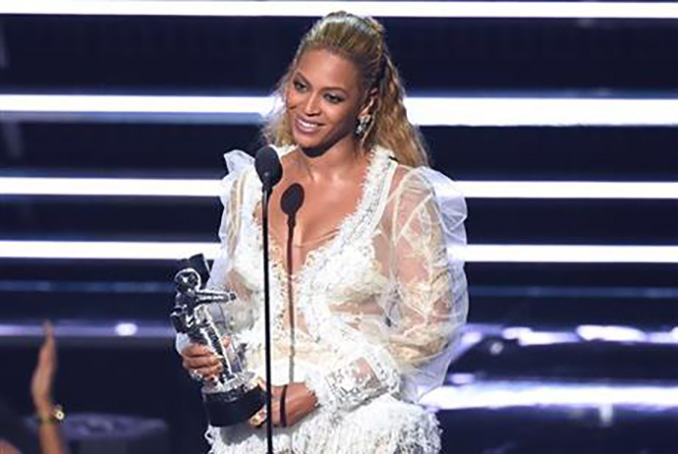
<point x="188" y="280"/>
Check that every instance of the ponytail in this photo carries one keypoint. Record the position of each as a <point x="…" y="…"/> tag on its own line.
<point x="391" y="128"/>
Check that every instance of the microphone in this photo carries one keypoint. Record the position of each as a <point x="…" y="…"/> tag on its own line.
<point x="269" y="169"/>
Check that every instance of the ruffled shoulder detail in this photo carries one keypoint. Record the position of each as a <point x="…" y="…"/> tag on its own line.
<point x="237" y="161"/>
<point x="417" y="184"/>
<point x="452" y="207"/>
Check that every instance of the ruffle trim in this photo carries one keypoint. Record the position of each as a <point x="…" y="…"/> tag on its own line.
<point x="317" y="384"/>
<point x="384" y="426"/>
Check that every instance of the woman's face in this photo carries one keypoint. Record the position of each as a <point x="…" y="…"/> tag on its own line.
<point x="323" y="99"/>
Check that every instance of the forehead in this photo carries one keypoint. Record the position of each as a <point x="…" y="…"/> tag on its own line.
<point x="327" y="69"/>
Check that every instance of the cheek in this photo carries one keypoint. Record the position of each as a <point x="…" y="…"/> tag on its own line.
<point x="343" y="116"/>
<point x="291" y="100"/>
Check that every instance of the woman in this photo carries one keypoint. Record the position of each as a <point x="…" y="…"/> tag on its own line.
<point x="368" y="292"/>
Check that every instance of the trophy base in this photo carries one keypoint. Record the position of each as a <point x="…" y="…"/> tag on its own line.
<point x="224" y="412"/>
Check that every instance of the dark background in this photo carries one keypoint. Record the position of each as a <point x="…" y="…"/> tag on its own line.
<point x="227" y="56"/>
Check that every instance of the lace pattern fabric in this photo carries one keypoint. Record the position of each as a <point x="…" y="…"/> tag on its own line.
<point x="382" y="303"/>
<point x="383" y="425"/>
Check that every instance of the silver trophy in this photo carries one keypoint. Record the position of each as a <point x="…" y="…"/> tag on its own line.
<point x="203" y="315"/>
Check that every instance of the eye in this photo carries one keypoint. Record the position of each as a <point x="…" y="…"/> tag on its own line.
<point x="299" y="85"/>
<point x="334" y="99"/>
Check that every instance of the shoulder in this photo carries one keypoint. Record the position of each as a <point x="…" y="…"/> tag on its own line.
<point x="414" y="187"/>
<point x="410" y="182"/>
<point x="422" y="181"/>
<point x="426" y="178"/>
<point x="231" y="185"/>
<point x="242" y="176"/>
<point x="240" y="168"/>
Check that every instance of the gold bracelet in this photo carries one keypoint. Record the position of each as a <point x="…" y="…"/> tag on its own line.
<point x="55" y="416"/>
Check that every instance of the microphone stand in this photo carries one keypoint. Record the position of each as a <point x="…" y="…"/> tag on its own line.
<point x="266" y="192"/>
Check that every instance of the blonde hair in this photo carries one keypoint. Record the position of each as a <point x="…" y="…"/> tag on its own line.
<point x="361" y="41"/>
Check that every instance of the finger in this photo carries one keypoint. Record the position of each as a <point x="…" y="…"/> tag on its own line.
<point x="197" y="362"/>
<point x="196" y="350"/>
<point x="42" y="355"/>
<point x="46" y="354"/>
<point x="209" y="372"/>
<point x="49" y="330"/>
<point x="190" y="364"/>
<point x="50" y="341"/>
<point x="258" y="419"/>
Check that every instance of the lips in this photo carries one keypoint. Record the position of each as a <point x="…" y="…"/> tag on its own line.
<point x="305" y="126"/>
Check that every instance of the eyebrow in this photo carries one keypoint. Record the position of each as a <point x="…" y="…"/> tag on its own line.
<point x="300" y="75"/>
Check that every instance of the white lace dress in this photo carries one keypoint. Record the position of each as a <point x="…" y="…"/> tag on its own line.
<point x="378" y="309"/>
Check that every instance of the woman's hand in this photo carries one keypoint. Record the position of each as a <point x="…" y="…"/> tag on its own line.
<point x="43" y="375"/>
<point x="49" y="433"/>
<point x="200" y="361"/>
<point x="298" y="402"/>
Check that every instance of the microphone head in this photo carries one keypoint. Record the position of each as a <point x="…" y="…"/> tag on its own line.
<point x="267" y="164"/>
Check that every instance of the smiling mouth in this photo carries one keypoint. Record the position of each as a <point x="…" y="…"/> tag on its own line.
<point x="307" y="127"/>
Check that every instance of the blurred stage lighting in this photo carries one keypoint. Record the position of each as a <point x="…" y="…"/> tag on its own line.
<point x="126" y="329"/>
<point x="424" y="111"/>
<point x="567" y="190"/>
<point x="472" y="334"/>
<point x="533" y="393"/>
<point x="129" y="187"/>
<point x="611" y="333"/>
<point x="523" y="253"/>
<point x="413" y="9"/>
<point x="527" y="336"/>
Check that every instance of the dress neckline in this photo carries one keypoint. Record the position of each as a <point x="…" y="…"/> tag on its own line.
<point x="349" y="229"/>
<point x="368" y="186"/>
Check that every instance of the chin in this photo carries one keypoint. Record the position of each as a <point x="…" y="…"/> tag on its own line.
<point x="304" y="141"/>
<point x="319" y="143"/>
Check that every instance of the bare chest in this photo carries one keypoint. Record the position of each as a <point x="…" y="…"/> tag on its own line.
<point x="308" y="213"/>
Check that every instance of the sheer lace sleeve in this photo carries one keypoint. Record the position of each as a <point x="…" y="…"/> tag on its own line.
<point x="422" y="316"/>
<point x="230" y="194"/>
<point x="368" y="373"/>
<point x="428" y="237"/>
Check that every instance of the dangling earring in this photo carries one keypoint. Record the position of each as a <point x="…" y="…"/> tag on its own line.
<point x="363" y="125"/>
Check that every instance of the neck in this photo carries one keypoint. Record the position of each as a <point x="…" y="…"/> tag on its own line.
<point x="335" y="162"/>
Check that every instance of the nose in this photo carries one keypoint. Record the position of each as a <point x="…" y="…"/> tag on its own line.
<point x="311" y="104"/>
